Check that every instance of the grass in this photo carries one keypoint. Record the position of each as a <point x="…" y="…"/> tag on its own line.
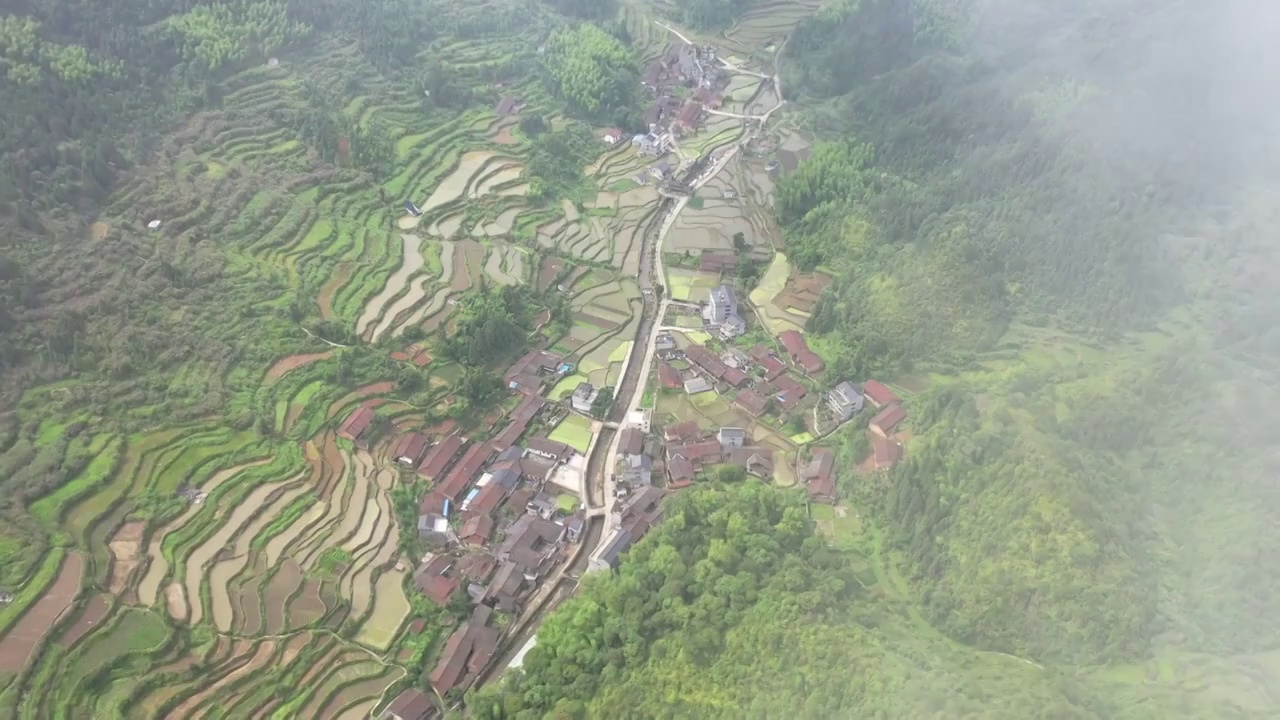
<point x="574" y="431"/>
<point x="567" y="503"/>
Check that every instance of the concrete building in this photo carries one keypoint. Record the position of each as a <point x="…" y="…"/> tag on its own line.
<point x="845" y="400"/>
<point x="721" y="313"/>
<point x="583" y="397"/>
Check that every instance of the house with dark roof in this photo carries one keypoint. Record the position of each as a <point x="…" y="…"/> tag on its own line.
<point x="752" y="403"/>
<point x="584" y="396"/>
<point x="409" y="705"/>
<point x="712" y="261"/>
<point x="696" y="385"/>
<point x="507" y="589"/>
<point x="438" y="579"/>
<point x="879" y="394"/>
<point x="440" y="456"/>
<point x="519" y="422"/>
<point x="756" y="460"/>
<point x="476" y="530"/>
<point x="509" y="105"/>
<point x="636" y="469"/>
<point x="736" y="378"/>
<point x="628" y="523"/>
<point x="845" y="400"/>
<point x="573" y="527"/>
<point x="706" y="361"/>
<point x="819" y="477"/>
<point x="465" y="471"/>
<point x="409" y="448"/>
<point x="682" y="432"/>
<point x="552" y="450"/>
<point x="687" y="119"/>
<point x="669" y="377"/>
<point x="798" y="350"/>
<point x="788" y="392"/>
<point x="530" y="373"/>
<point x="886" y="420"/>
<point x="541" y="505"/>
<point x="770" y="363"/>
<point x="708" y="97"/>
<point x="631" y="441"/>
<point x="680" y="470"/>
<point x="531" y="543"/>
<point x="467" y="652"/>
<point x="486" y="500"/>
<point x="359" y="426"/>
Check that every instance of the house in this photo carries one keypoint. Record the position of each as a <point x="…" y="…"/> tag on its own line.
<point x="772" y="366"/>
<point x="509" y="105"/>
<point x="735" y="377"/>
<point x="412" y="209"/>
<point x="476" y="566"/>
<point x="788" y="392"/>
<point x="708" y="97"/>
<point x="541" y="505"/>
<point x="433" y="503"/>
<point x="819" y="477"/>
<point x="653" y="144"/>
<point x="799" y="352"/>
<point x="409" y="448"/>
<point x="702" y="453"/>
<point x="531" y="543"/>
<point x="438" y="459"/>
<point x="631" y="441"/>
<point x="654" y="72"/>
<point x="433" y="528"/>
<point x="687" y="119"/>
<point x="885" y="453"/>
<point x="721" y="313"/>
<point x="584" y="396"/>
<point x="708" y="363"/>
<point x="758" y="461"/>
<point x="358" y="427"/>
<point x="438" y="579"/>
<point x="683" y="432"/>
<point x="845" y="400"/>
<point x="696" y="385"/>
<point x="717" y="261"/>
<point x="629" y="523"/>
<point x="680" y="471"/>
<point x="467" y="652"/>
<point x="660" y="171"/>
<point x="637" y="470"/>
<point x="665" y="343"/>
<point x="409" y="705"/>
<point x="735" y="359"/>
<point x="519" y="422"/>
<point x="669" y="377"/>
<point x="613" y="136"/>
<point x="476" y="530"/>
<point x="887" y="419"/>
<point x="573" y="528"/>
<point x="530" y="373"/>
<point x="752" y="403"/>
<point x="731" y="437"/>
<point x="460" y="476"/>
<point x="485" y="500"/>
<point x="878" y="394"/>
<point x="549" y="449"/>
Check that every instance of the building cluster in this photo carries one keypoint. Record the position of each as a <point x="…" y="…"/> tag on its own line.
<point x="630" y="519"/>
<point x="684" y="82"/>
<point x="690" y="450"/>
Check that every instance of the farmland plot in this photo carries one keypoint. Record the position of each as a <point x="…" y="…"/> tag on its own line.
<point x="447" y="263"/>
<point x="390" y="609"/>
<point x="224" y="570"/>
<point x="411" y="264"/>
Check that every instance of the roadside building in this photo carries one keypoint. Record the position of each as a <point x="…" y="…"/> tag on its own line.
<point x="631" y="441"/>
<point x="722" y="314"/>
<point x="636" y="470"/>
<point x="669" y="377"/>
<point x="583" y="397"/>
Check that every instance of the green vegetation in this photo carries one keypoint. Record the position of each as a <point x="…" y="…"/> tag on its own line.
<point x="594" y="72"/>
<point x="705" y="14"/>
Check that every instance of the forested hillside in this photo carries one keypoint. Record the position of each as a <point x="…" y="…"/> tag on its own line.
<point x="1027" y="207"/>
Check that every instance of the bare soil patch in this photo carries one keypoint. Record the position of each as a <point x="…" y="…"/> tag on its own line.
<point x="126" y="550"/>
<point x="504" y="136"/>
<point x="341" y="274"/>
<point x="99" y="230"/>
<point x="285" y="365"/>
<point x="93" y="612"/>
<point x="22" y="639"/>
<point x="175" y="599"/>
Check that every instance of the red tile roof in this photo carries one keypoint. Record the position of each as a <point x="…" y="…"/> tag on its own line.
<point x="670" y="377"/>
<point x="547" y="446"/>
<point x="680" y="469"/>
<point x="461" y="475"/>
<point x="410" y="446"/>
<point x="736" y="377"/>
<point x="631" y="442"/>
<point x="752" y="402"/>
<point x="717" y="261"/>
<point x="357" y="423"/>
<point x="439" y="457"/>
<point x="487" y="500"/>
<point x="885" y="453"/>
<point x="410" y="705"/>
<point x="773" y="366"/>
<point x="689" y="114"/>
<point x="799" y="351"/>
<point x="477" y="529"/>
<point x="683" y="432"/>
<point x="432" y="504"/>
<point x="703" y="358"/>
<point x="697" y="453"/>
<point x="887" y="419"/>
<point x="519" y="422"/>
<point x="437" y="580"/>
<point x="879" y="394"/>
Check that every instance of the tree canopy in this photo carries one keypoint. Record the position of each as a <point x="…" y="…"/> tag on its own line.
<point x="593" y="72"/>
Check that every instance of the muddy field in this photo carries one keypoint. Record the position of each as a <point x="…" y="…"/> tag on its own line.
<point x="18" y="644"/>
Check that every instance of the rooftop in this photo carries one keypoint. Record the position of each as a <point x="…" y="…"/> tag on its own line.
<point x="438" y="458"/>
<point x="879" y="394"/>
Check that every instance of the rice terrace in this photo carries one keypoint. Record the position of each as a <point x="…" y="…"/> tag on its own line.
<point x="405" y="295"/>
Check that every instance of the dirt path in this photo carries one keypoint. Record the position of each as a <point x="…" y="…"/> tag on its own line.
<point x="410" y="264"/>
<point x="149" y="588"/>
<point x="17" y="645"/>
